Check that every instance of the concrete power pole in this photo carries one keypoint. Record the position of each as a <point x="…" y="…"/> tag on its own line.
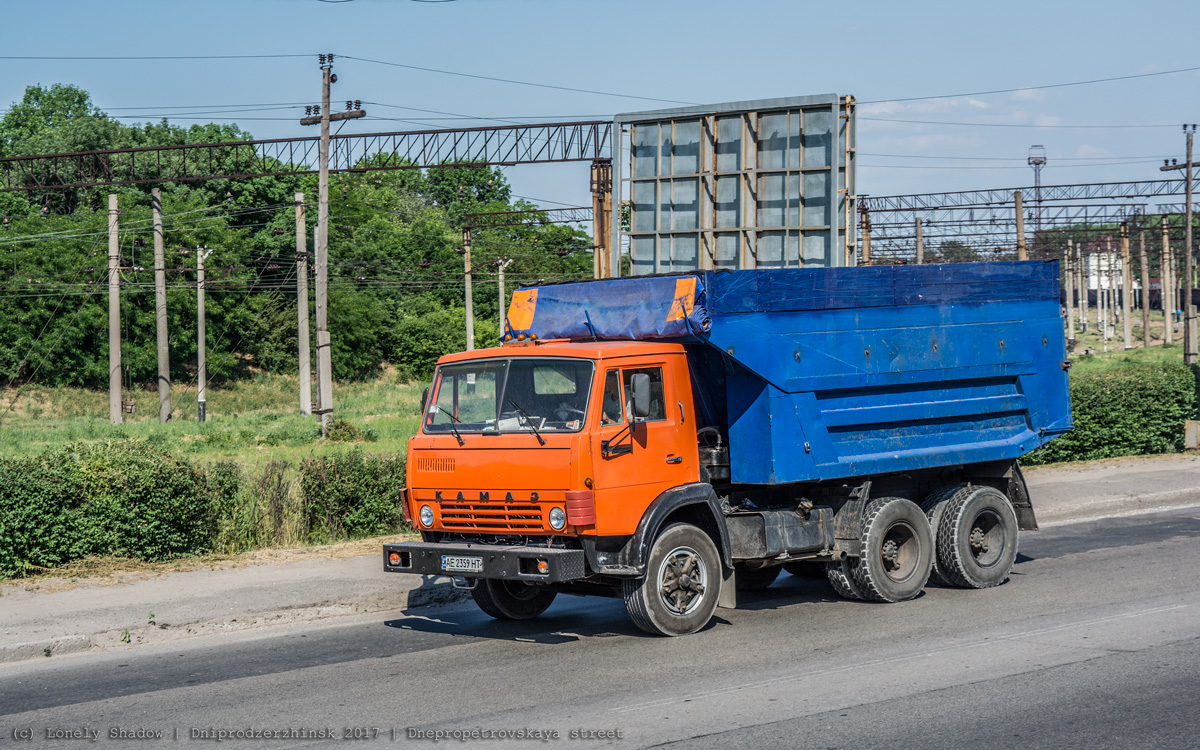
<point x="323" y="117"/>
<point x="1069" y="278"/>
<point x="866" y="240"/>
<point x="115" y="415"/>
<point x="160" y="310"/>
<point x="302" y="309"/>
<point x="201" y="363"/>
<point x="503" y="264"/>
<point x="1145" y="288"/>
<point x="1022" y="253"/>
<point x="920" y="244"/>
<point x="1168" y="286"/>
<point x="468" y="296"/>
<point x="1126" y="289"/>
<point x="1082" y="275"/>
<point x="1189" y="310"/>
<point x="1189" y="315"/>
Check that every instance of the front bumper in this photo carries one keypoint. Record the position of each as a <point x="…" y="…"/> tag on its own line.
<point x="501" y="562"/>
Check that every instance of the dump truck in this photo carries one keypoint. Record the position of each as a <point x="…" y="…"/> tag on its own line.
<point x="672" y="439"/>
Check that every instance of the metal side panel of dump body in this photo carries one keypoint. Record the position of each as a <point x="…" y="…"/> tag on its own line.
<point x="828" y="373"/>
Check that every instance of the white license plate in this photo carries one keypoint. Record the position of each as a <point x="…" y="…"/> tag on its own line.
<point x="454" y="564"/>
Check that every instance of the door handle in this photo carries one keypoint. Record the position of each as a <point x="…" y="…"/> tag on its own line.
<point x="675" y="460"/>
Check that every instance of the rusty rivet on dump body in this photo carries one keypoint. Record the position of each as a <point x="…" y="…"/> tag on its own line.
<point x="867" y="352"/>
<point x="729" y="351"/>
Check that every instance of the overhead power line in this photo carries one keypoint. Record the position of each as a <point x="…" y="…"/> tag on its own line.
<point x="513" y="81"/>
<point x="1037" y="88"/>
<point x="1008" y="125"/>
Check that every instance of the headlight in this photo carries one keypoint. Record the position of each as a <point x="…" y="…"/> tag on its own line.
<point x="558" y="518"/>
<point x="426" y="515"/>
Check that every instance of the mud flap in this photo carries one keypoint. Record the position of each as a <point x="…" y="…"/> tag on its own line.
<point x="728" y="598"/>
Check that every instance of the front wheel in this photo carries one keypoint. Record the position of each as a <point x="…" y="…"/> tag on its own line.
<point x="512" y="600"/>
<point x="682" y="584"/>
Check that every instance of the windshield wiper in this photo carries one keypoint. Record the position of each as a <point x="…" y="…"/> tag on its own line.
<point x="528" y="421"/>
<point x="452" y="427"/>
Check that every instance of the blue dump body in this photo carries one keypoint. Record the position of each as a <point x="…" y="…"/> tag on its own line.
<point x="820" y="374"/>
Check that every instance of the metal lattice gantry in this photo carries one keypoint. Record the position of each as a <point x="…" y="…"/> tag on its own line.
<point x="499" y="146"/>
<point x="533" y="217"/>
<point x="983" y="225"/>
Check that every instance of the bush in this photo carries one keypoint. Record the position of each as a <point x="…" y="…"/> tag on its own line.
<point x="121" y="498"/>
<point x="1126" y="411"/>
<point x="351" y="495"/>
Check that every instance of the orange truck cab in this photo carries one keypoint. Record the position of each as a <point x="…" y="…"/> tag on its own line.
<point x="668" y="440"/>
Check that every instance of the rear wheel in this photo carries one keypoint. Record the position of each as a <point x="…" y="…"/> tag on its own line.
<point x="977" y="538"/>
<point x="682" y="584"/>
<point x="933" y="507"/>
<point x="511" y="600"/>
<point x="843" y="582"/>
<point x="897" y="551"/>
<point x="755" y="579"/>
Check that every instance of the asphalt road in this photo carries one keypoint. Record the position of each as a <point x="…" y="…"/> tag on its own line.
<point x="1094" y="642"/>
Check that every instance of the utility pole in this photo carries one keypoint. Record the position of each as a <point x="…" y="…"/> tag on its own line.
<point x="323" y="117"/>
<point x="1168" y="286"/>
<point x="1082" y="273"/>
<point x="1069" y="278"/>
<point x="1145" y="287"/>
<point x="920" y="244"/>
<point x="1022" y="254"/>
<point x="302" y="309"/>
<point x="469" y="299"/>
<point x="115" y="415"/>
<point x="601" y="218"/>
<point x="201" y="364"/>
<point x="866" y="242"/>
<point x="503" y="264"/>
<point x="160" y="310"/>
<point x="1126" y="288"/>
<point x="1189" y="310"/>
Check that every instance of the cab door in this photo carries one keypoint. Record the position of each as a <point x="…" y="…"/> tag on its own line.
<point x="644" y="457"/>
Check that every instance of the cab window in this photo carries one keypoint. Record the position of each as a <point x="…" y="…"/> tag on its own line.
<point x="610" y="410"/>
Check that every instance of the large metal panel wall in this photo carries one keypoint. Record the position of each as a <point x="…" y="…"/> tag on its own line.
<point x="759" y="184"/>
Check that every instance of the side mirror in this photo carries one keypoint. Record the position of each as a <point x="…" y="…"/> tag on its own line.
<point x="424" y="401"/>
<point x="639" y="384"/>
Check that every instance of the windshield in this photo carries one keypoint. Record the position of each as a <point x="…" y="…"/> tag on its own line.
<point x="510" y="395"/>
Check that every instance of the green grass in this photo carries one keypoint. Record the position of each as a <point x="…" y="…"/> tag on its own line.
<point x="251" y="421"/>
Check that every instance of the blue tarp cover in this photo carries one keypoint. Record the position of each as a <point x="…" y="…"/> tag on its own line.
<point x="630" y="309"/>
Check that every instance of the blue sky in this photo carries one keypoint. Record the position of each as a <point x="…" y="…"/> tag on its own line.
<point x="700" y="51"/>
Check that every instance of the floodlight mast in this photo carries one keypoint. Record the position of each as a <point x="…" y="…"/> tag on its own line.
<point x="1037" y="160"/>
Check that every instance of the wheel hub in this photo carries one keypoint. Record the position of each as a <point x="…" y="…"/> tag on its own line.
<point x="979" y="543"/>
<point x="891" y="554"/>
<point x="681" y="581"/>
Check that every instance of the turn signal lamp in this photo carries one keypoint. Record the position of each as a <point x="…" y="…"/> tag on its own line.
<point x="543" y="567"/>
<point x="394" y="558"/>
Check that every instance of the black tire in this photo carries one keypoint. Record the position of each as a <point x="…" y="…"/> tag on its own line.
<point x="682" y="584"/>
<point x="805" y="569"/>
<point x="843" y="582"/>
<point x="897" y="551"/>
<point x="755" y="579"/>
<point x="977" y="538"/>
<point x="933" y="506"/>
<point x="512" y="600"/>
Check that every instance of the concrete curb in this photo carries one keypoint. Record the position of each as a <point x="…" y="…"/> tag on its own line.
<point x="10" y="652"/>
<point x="1117" y="507"/>
<point x="432" y="591"/>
